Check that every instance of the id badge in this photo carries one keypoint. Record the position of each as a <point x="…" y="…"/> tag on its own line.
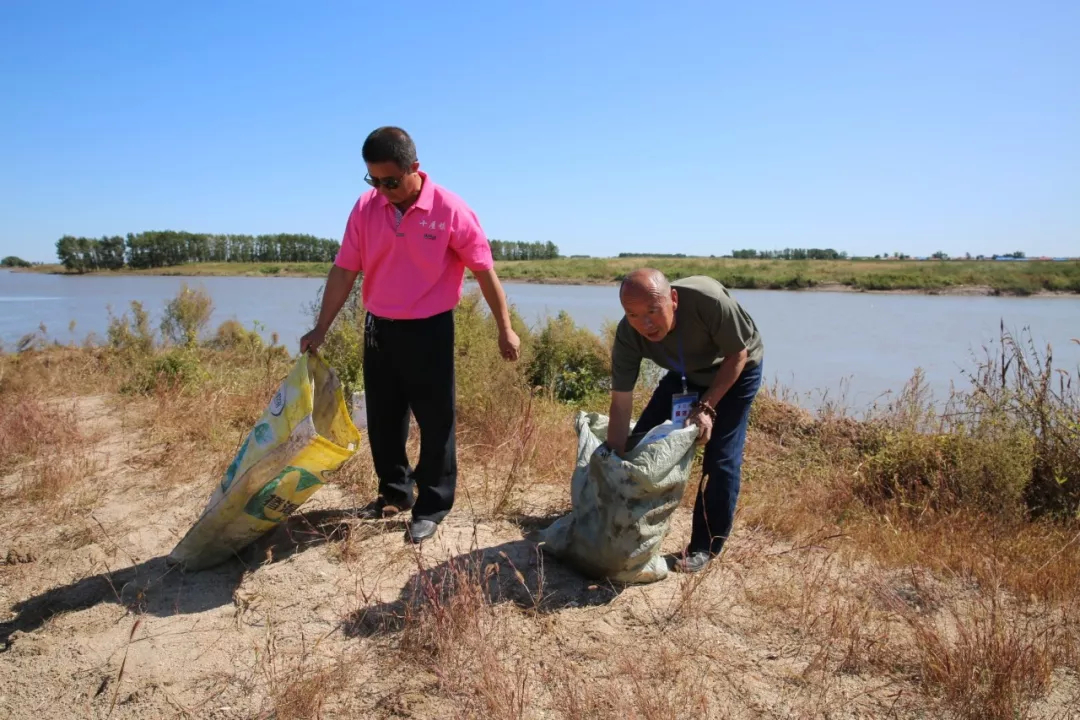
<point x="681" y="405"/>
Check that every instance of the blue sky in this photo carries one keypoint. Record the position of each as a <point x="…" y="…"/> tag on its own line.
<point x="604" y="127"/>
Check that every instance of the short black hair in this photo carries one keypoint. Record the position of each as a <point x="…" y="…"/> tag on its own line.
<point x="390" y="144"/>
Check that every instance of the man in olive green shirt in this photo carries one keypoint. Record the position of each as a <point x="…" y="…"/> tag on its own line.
<point x="713" y="353"/>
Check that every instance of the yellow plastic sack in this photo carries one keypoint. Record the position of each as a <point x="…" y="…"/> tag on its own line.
<point x="305" y="432"/>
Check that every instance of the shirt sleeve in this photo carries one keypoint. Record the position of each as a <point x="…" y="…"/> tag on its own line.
<point x="625" y="359"/>
<point x="348" y="255"/>
<point x="729" y="326"/>
<point x="469" y="242"/>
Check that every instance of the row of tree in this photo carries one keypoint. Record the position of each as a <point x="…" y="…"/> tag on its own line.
<point x="168" y="247"/>
<point x="11" y="261"/>
<point x="656" y="255"/>
<point x="507" y="250"/>
<point x="791" y="254"/>
<point x="942" y="255"/>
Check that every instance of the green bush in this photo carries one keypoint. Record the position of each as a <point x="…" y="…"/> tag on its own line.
<point x="569" y="361"/>
<point x="177" y="369"/>
<point x="186" y="316"/>
<point x="343" y="348"/>
<point x="1018" y="383"/>
<point x="482" y="373"/>
<point x="232" y="335"/>
<point x="12" y="261"/>
<point x="984" y="471"/>
<point x="1008" y="445"/>
<point x="131" y="334"/>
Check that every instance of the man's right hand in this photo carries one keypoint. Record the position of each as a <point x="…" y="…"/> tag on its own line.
<point x="312" y="340"/>
<point x="338" y="285"/>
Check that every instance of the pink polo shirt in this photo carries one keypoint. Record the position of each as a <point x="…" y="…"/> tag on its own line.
<point x="416" y="268"/>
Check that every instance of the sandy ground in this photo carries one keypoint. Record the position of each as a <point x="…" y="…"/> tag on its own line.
<point x="96" y="625"/>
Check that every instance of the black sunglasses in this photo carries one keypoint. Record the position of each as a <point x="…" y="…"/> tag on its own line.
<point x="389" y="183"/>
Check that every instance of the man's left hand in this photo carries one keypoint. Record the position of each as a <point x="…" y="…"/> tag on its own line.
<point x="509" y="345"/>
<point x="704" y="423"/>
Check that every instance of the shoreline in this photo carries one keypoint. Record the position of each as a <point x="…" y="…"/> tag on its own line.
<point x="817" y="287"/>
<point x="951" y="291"/>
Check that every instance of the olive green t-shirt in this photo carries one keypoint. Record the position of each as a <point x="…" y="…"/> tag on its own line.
<point x="712" y="326"/>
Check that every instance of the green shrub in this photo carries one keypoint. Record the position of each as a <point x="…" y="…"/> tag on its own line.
<point x="186" y="316"/>
<point x="131" y="334"/>
<point x="984" y="471"/>
<point x="232" y="335"/>
<point x="569" y="361"/>
<point x="343" y="348"/>
<point x="483" y="376"/>
<point x="1019" y="382"/>
<point x="177" y="369"/>
<point x="1008" y="445"/>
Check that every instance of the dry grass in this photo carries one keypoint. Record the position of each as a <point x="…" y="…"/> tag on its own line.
<point x="902" y="553"/>
<point x="952" y="495"/>
<point x="31" y="427"/>
<point x="45" y="452"/>
<point x="53" y="476"/>
<point x="452" y="627"/>
<point x="665" y="684"/>
<point x="988" y="663"/>
<point x="298" y="687"/>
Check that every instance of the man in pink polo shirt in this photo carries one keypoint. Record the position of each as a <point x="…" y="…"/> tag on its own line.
<point x="412" y="240"/>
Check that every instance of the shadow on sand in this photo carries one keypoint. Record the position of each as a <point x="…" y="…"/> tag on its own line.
<point x="157" y="589"/>
<point x="517" y="572"/>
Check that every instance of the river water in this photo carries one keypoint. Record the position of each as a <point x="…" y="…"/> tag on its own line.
<point x="854" y="348"/>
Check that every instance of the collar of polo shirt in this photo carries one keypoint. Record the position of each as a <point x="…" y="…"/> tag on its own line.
<point x="424" y="202"/>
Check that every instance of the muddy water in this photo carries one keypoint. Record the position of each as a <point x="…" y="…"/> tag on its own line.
<point x="853" y="346"/>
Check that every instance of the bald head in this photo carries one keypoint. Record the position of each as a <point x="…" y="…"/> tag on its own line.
<point x="649" y="303"/>
<point x="645" y="281"/>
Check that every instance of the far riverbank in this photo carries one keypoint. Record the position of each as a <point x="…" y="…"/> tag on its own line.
<point x="951" y="277"/>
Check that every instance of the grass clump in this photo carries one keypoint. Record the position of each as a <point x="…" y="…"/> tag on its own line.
<point x="131" y="335"/>
<point x="1019" y="386"/>
<point x="982" y="468"/>
<point x="29" y="427"/>
<point x="990" y="665"/>
<point x="174" y="369"/>
<point x="453" y="628"/>
<point x="186" y="316"/>
<point x="232" y="335"/>
<point x="1009" y="446"/>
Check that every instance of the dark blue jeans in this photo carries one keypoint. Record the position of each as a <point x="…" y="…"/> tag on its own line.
<point x="718" y="492"/>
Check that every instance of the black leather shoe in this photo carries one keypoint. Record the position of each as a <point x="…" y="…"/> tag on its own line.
<point x="378" y="509"/>
<point x="693" y="562"/>
<point x="420" y="530"/>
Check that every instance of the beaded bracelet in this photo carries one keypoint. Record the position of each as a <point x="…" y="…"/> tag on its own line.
<point x="706" y="408"/>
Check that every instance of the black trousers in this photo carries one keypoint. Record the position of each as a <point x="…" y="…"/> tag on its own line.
<point x="410" y="364"/>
